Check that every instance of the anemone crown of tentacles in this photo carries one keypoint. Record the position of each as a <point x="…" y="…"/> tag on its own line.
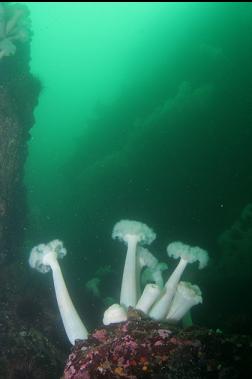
<point x="15" y="27"/>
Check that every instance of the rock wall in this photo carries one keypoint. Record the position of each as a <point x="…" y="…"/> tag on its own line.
<point x="19" y="93"/>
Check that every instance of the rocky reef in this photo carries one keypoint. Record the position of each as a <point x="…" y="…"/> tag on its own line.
<point x="28" y="329"/>
<point x="143" y="348"/>
<point x="26" y="350"/>
<point x="19" y="93"/>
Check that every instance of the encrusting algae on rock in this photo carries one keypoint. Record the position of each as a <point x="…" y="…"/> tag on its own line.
<point x="143" y="348"/>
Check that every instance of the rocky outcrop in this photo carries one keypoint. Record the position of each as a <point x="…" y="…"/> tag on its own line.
<point x="19" y="92"/>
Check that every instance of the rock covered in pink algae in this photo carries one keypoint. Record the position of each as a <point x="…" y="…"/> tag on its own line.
<point x="147" y="349"/>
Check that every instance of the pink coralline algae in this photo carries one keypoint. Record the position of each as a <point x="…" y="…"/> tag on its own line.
<point x="148" y="349"/>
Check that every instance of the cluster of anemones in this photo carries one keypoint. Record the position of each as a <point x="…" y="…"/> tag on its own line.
<point x="170" y="301"/>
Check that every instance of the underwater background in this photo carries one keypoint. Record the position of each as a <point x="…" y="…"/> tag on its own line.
<point x="145" y="113"/>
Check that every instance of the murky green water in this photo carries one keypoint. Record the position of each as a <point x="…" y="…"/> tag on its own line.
<point x="146" y="113"/>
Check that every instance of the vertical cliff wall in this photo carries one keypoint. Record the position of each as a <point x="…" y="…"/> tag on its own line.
<point x="19" y="92"/>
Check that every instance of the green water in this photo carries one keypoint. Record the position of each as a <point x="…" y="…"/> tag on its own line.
<point x="146" y="113"/>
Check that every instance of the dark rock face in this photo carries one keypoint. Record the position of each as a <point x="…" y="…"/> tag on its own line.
<point x="148" y="349"/>
<point x="26" y="326"/>
<point x="29" y="337"/>
<point x="19" y="92"/>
